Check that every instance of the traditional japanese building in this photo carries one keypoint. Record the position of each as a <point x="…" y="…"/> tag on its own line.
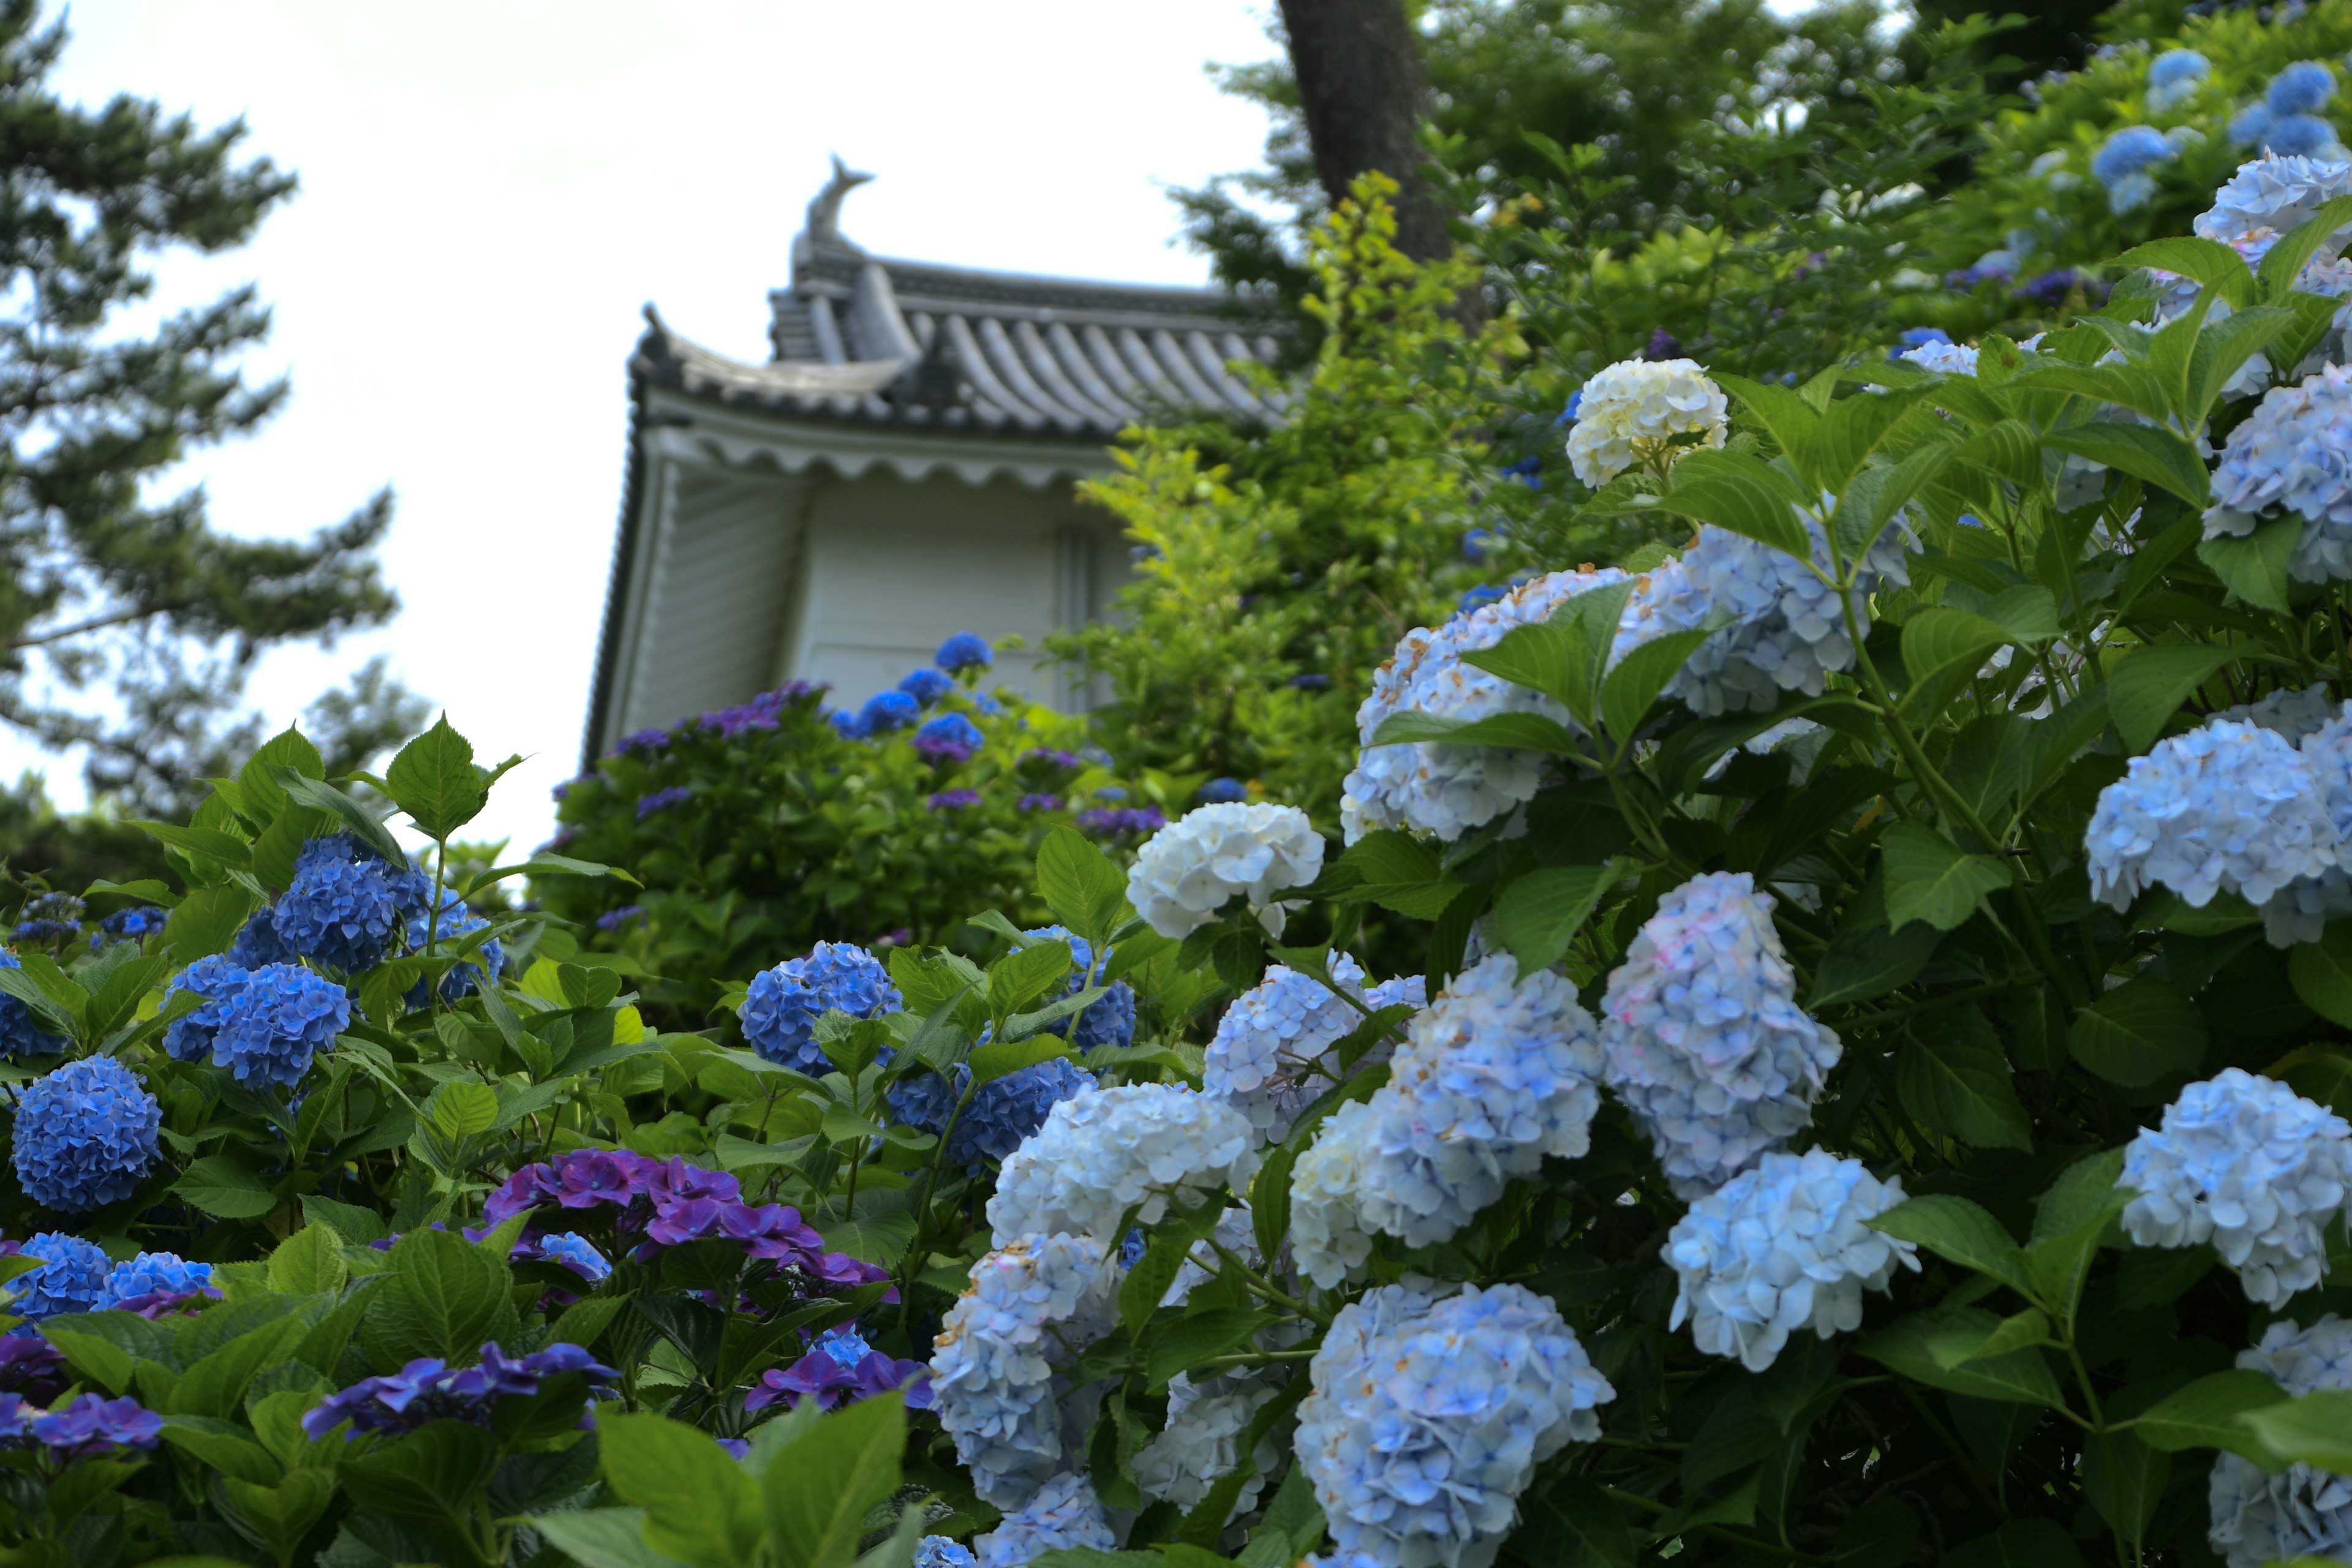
<point x="898" y="469"/>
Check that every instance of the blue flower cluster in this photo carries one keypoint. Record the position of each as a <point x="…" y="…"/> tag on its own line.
<point x="457" y="921"/>
<point x="783" y="1004"/>
<point x="429" y="1389"/>
<point x="2174" y="78"/>
<point x="72" y="1278"/>
<point x="1133" y="1147"/>
<point x="2287" y="459"/>
<point x="943" y="1551"/>
<point x="2287" y="122"/>
<point x="85" y="1135"/>
<point x="574" y="1251"/>
<point x="2227" y="807"/>
<point x="950" y="738"/>
<point x="2269" y="196"/>
<point x="2300" y="1513"/>
<point x="265" y="1026"/>
<point x="1703" y="1038"/>
<point x="1031" y="1307"/>
<point x="1427" y="1418"/>
<point x="1221" y="792"/>
<point x="91" y="1426"/>
<point x="926" y="686"/>
<point x="136" y="923"/>
<point x="1064" y="1515"/>
<point x="1270" y="1058"/>
<point x="347" y="908"/>
<point x="964" y="651"/>
<point x="2122" y="163"/>
<point x="1780" y="1247"/>
<point x="1002" y="1116"/>
<point x="2253" y="1168"/>
<point x="21" y="1033"/>
<point x="258" y="944"/>
<point x="1110" y="1019"/>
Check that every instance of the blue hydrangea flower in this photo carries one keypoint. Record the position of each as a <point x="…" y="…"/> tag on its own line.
<point x="2288" y="459"/>
<point x="257" y="942"/>
<point x="1201" y="1442"/>
<point x="1221" y="792"/>
<point x="1064" y="1515"/>
<point x="943" y="1551"/>
<point x="1450" y="790"/>
<point x="1427" y="1418"/>
<point x="273" y="1023"/>
<point x="347" y="908"/>
<point x="963" y="651"/>
<point x="215" y="978"/>
<point x="71" y="1278"/>
<point x="2249" y="1166"/>
<point x="1270" y="1058"/>
<point x="2227" y="807"/>
<point x="1031" y="1308"/>
<point x="850" y="726"/>
<point x="2259" y="1518"/>
<point x="2122" y="163"/>
<point x="576" y="1253"/>
<point x="134" y="924"/>
<point x="457" y="920"/>
<point x="951" y="732"/>
<point x="2302" y="88"/>
<point x="2174" y="78"/>
<point x="85" y="1135"/>
<point x="21" y="1033"/>
<point x="888" y="711"/>
<point x="1702" y="1036"/>
<point x="1110" y="1019"/>
<point x="1495" y="1075"/>
<point x="1132" y="1147"/>
<point x="924" y="1102"/>
<point x="783" y="1004"/>
<point x="1781" y="1248"/>
<point x="2270" y="196"/>
<point x="155" y="1274"/>
<point x="1008" y="1110"/>
<point x="926" y="686"/>
<point x="2288" y="713"/>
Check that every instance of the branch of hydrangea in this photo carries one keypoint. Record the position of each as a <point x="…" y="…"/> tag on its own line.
<point x="1644" y="829"/>
<point x="1970" y="1466"/>
<point x="1261" y="1286"/>
<point x="1906" y="743"/>
<point x="433" y="920"/>
<point x="1965" y="994"/>
<point x="1715" y="1531"/>
<point x="918" y="1247"/>
<point x="1252" y="1358"/>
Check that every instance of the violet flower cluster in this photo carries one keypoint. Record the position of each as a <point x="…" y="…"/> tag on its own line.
<point x="840" y="1369"/>
<point x="430" y="1389"/>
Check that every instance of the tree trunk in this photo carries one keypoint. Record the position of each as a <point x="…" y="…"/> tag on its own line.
<point x="1361" y="91"/>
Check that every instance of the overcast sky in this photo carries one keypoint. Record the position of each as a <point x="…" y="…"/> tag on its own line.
<point x="491" y="192"/>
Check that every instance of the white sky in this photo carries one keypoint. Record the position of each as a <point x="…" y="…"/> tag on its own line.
<point x="492" y="191"/>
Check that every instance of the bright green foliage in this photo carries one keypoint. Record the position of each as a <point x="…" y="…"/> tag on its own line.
<point x="1278" y="567"/>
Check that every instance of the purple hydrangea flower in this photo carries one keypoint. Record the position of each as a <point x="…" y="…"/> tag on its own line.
<point x="94" y="1424"/>
<point x="949" y="738"/>
<point x="841" y="1369"/>
<point x="1121" y="822"/>
<point x="662" y="800"/>
<point x="952" y="800"/>
<point x="613" y="919"/>
<point x="1039" y="800"/>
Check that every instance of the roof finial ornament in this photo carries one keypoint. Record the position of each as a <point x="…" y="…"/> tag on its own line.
<point x="825" y="212"/>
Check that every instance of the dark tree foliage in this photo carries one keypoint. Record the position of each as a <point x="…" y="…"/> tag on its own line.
<point x="2055" y="35"/>
<point x="103" y="581"/>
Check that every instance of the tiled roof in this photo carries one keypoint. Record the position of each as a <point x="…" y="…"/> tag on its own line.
<point x="865" y="339"/>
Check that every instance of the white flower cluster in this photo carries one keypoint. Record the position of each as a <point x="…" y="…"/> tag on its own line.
<point x="1271" y="1056"/>
<point x="1782" y="1248"/>
<point x="1427" y="1416"/>
<point x="2259" y="1518"/>
<point x="1202" y="1441"/>
<point x="2288" y="458"/>
<point x="1497" y="1073"/>
<point x="2227" y="807"/>
<point x="1449" y="790"/>
<point x="1945" y="359"/>
<point x="1702" y="1036"/>
<point x="1112" y="1150"/>
<point x="1637" y="411"/>
<point x="1196" y="865"/>
<point x="1030" y="1308"/>
<point x="2249" y="1166"/>
<point x="1064" y="1515"/>
<point x="1783" y="628"/>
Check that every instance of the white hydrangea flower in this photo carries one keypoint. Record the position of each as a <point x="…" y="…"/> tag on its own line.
<point x="1201" y="1442"/>
<point x="1449" y="790"/>
<point x="2227" y="807"/>
<point x="1030" y="1308"/>
<point x="1329" y="1242"/>
<point x="1428" y="1416"/>
<point x="1064" y="1515"/>
<point x="1637" y="411"/>
<point x="2288" y="459"/>
<point x="1497" y="1073"/>
<point x="2249" y="1166"/>
<point x="1702" y="1036"/>
<point x="2259" y="1518"/>
<point x="1945" y="359"/>
<point x="1781" y="1248"/>
<point x="1270" y="1058"/>
<point x="1196" y="865"/>
<point x="1112" y="1150"/>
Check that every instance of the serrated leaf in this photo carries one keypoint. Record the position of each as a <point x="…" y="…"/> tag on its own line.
<point x="462" y="1108"/>
<point x="1930" y="879"/>
<point x="2254" y="565"/>
<point x="1871" y="961"/>
<point x="2137" y="1033"/>
<point x="1915" y="1346"/>
<point x="2143" y="451"/>
<point x="2316" y="1429"/>
<point x="1512" y="731"/>
<point x="1961" y="1231"/>
<point x="1080" y="885"/>
<point x="2321" y="972"/>
<point x="225" y="1189"/>
<point x="1540" y="912"/>
<point x="2148" y="686"/>
<point x="2207" y="261"/>
<point x="2204" y="1415"/>
<point x="1631" y="689"/>
<point x="1954" y="1078"/>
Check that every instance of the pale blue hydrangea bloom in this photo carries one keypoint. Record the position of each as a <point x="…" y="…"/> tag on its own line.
<point x="2272" y="194"/>
<point x="2288" y="713"/>
<point x="943" y="1551"/>
<point x="2249" y="1166"/>
<point x="2122" y="163"/>
<point x="347" y="906"/>
<point x="2300" y="912"/>
<point x="1328" y="1238"/>
<point x="1201" y="1442"/>
<point x="1064" y="1515"/>
<point x="2292" y="458"/>
<point x="1781" y="628"/>
<point x="2259" y="1518"/>
<point x="1944" y="359"/>
<point x="1496" y="1074"/>
<point x="1109" y="1150"/>
<point x="2227" y="807"/>
<point x="1030" y="1308"/>
<point x="1782" y="1248"/>
<point x="783" y="1005"/>
<point x="1702" y="1036"/>
<point x="71" y="1278"/>
<point x="1427" y="1417"/>
<point x="1271" y="1056"/>
<point x="2173" y="79"/>
<point x="2302" y="88"/>
<point x="1449" y="790"/>
<point x="85" y="1135"/>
